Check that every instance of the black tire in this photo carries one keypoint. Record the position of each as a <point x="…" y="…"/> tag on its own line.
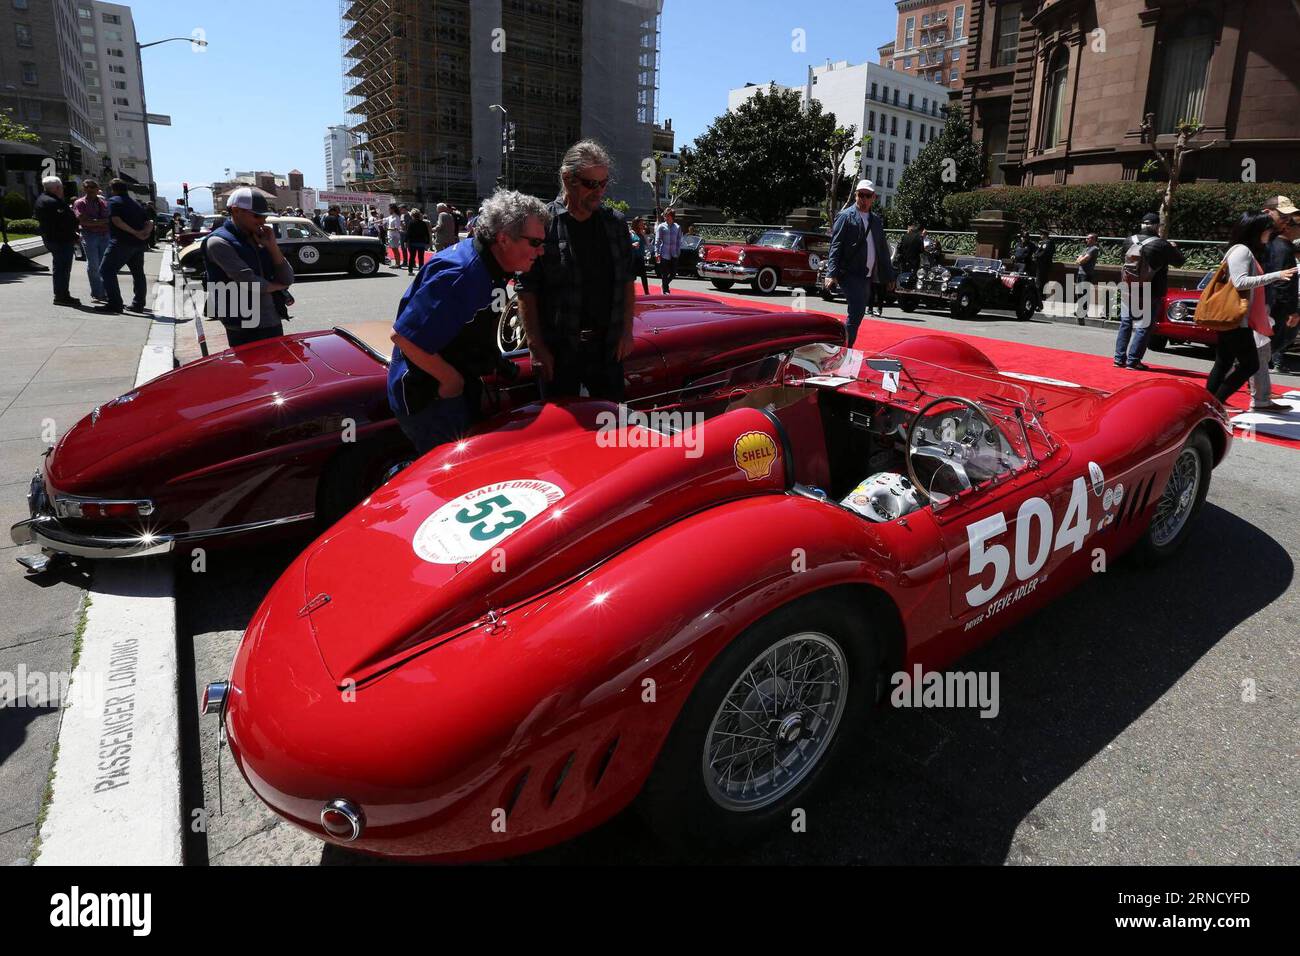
<point x="766" y="281"/>
<point x="354" y="473"/>
<point x="1158" y="343"/>
<point x="1026" y="304"/>
<point x="676" y="799"/>
<point x="722" y="285"/>
<point x="1154" y="547"/>
<point x="364" y="264"/>
<point x="965" y="303"/>
<point x="907" y="303"/>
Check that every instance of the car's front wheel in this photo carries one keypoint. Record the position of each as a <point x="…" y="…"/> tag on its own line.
<point x="907" y="303"/>
<point x="364" y="264"/>
<point x="965" y="304"/>
<point x="766" y="281"/>
<point x="1158" y="343"/>
<point x="1026" y="303"/>
<point x="763" y="725"/>
<point x="722" y="285"/>
<point x="1184" y="494"/>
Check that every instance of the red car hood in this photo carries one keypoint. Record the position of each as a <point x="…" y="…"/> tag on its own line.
<point x="436" y="558"/>
<point x="727" y="253"/>
<point x="122" y="438"/>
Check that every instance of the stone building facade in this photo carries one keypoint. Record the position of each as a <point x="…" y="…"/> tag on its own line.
<point x="1057" y="89"/>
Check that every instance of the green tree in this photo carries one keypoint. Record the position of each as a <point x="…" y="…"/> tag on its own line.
<point x="947" y="165"/>
<point x="765" y="159"/>
<point x="842" y="142"/>
<point x="14" y="131"/>
<point x="619" y="204"/>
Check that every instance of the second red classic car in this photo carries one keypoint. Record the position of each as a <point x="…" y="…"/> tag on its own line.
<point x="294" y="431"/>
<point x="695" y="611"/>
<point x="778" y="258"/>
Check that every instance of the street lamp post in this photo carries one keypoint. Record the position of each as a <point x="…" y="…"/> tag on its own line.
<point x="144" y="105"/>
<point x="505" y="140"/>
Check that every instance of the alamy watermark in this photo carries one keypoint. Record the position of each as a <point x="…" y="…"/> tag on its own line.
<point x="946" y="689"/>
<point x="628" y="428"/>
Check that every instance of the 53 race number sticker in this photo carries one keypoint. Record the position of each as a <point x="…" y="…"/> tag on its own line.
<point x="466" y="527"/>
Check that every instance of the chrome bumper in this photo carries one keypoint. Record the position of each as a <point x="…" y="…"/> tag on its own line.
<point x="44" y="529"/>
<point x="730" y="271"/>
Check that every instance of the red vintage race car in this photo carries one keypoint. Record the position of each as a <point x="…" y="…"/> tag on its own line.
<point x="696" y="609"/>
<point x="292" y="432"/>
<point x="1175" y="320"/>
<point x="778" y="258"/>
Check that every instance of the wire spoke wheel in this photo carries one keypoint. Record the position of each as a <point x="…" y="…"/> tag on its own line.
<point x="775" y="723"/>
<point x="1179" y="498"/>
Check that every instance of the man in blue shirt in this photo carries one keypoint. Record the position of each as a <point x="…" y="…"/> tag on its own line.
<point x="128" y="236"/>
<point x="859" y="256"/>
<point x="427" y="378"/>
<point x="668" y="246"/>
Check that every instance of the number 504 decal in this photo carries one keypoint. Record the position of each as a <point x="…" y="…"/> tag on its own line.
<point x="1033" y="545"/>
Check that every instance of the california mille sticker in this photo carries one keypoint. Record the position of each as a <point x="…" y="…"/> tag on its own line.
<point x="755" y="454"/>
<point x="466" y="527"/>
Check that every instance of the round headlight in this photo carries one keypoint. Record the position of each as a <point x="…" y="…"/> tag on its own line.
<point x="1178" y="312"/>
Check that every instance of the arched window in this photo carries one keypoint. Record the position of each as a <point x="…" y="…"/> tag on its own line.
<point x="1185" y="67"/>
<point x="1058" y="72"/>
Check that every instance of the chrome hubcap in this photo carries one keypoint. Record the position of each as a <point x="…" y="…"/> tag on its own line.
<point x="775" y="722"/>
<point x="1179" y="496"/>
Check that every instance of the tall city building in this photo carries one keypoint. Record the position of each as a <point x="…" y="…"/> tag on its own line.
<point x="43" y="82"/>
<point x="337" y="150"/>
<point x="930" y="41"/>
<point x="115" y="89"/>
<point x="1057" y="92"/>
<point x="901" y="113"/>
<point x="453" y="97"/>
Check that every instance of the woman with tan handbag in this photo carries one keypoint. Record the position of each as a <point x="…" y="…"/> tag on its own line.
<point x="1237" y="350"/>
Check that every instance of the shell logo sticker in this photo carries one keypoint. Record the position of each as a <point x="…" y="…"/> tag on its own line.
<point x="755" y="454"/>
<point x="464" y="528"/>
<point x="309" y="255"/>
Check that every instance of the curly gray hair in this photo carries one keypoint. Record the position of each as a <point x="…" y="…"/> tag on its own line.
<point x="582" y="155"/>
<point x="505" y="212"/>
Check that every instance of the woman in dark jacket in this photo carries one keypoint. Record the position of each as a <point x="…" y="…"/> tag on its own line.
<point x="417" y="239"/>
<point x="1023" y="253"/>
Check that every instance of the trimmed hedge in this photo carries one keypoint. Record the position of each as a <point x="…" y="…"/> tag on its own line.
<point x="23" y="225"/>
<point x="1201" y="211"/>
<point x="15" y="206"/>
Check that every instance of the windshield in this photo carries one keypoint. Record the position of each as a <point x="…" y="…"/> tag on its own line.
<point x="918" y="384"/>
<point x="778" y="240"/>
<point x="977" y="262"/>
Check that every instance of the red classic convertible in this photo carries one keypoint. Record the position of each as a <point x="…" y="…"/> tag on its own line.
<point x="260" y="439"/>
<point x="696" y="609"/>
<point x="779" y="258"/>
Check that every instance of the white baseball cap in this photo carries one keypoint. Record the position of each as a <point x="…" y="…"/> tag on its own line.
<point x="866" y="184"/>
<point x="251" y="199"/>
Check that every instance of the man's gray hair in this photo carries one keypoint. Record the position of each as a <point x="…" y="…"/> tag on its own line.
<point x="505" y="212"/>
<point x="49" y="181"/>
<point x="580" y="156"/>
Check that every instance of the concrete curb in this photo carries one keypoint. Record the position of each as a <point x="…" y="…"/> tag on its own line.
<point x="117" y="790"/>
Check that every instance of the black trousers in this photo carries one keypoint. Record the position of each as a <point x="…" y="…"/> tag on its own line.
<point x="667" y="272"/>
<point x="237" y="335"/>
<point x="584" y="363"/>
<point x="1236" y="359"/>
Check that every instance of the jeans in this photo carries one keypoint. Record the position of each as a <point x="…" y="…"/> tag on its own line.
<point x="121" y="254"/>
<point x="857" y="289"/>
<point x="1283" y="337"/>
<point x="95" y="244"/>
<point x="61" y="256"/>
<point x="1129" y="351"/>
<point x="443" y="420"/>
<point x="667" y="271"/>
<point x="1261" y="383"/>
<point x="589" y="364"/>
<point x="1236" y="360"/>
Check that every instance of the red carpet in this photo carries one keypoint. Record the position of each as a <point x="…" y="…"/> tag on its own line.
<point x="1095" y="371"/>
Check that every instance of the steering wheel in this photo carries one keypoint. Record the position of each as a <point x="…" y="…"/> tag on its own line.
<point x="952" y="452"/>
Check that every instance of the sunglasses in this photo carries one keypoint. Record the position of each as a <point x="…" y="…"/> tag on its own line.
<point x="534" y="242"/>
<point x="593" y="184"/>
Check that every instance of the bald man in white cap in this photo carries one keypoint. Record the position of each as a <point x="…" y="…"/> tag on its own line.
<point x="859" y="256"/>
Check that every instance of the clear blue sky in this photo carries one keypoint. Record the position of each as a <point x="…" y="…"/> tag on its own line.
<point x="270" y="80"/>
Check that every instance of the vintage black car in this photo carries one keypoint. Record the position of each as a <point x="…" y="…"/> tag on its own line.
<point x="688" y="259"/>
<point x="308" y="249"/>
<point x="968" y="286"/>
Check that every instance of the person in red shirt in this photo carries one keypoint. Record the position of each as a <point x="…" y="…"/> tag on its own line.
<point x="92" y="213"/>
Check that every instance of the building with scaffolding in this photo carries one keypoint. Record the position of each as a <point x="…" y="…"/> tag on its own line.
<point x="452" y="97"/>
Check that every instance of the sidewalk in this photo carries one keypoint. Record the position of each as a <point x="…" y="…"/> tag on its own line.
<point x="56" y="365"/>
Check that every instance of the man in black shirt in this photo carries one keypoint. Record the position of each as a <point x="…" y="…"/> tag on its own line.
<point x="59" y="231"/>
<point x="910" y="247"/>
<point x="1283" y="298"/>
<point x="1146" y="262"/>
<point x="333" y="222"/>
<point x="576" y="301"/>
<point x="128" y="234"/>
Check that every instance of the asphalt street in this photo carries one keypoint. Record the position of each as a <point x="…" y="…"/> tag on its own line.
<point x="1147" y="718"/>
